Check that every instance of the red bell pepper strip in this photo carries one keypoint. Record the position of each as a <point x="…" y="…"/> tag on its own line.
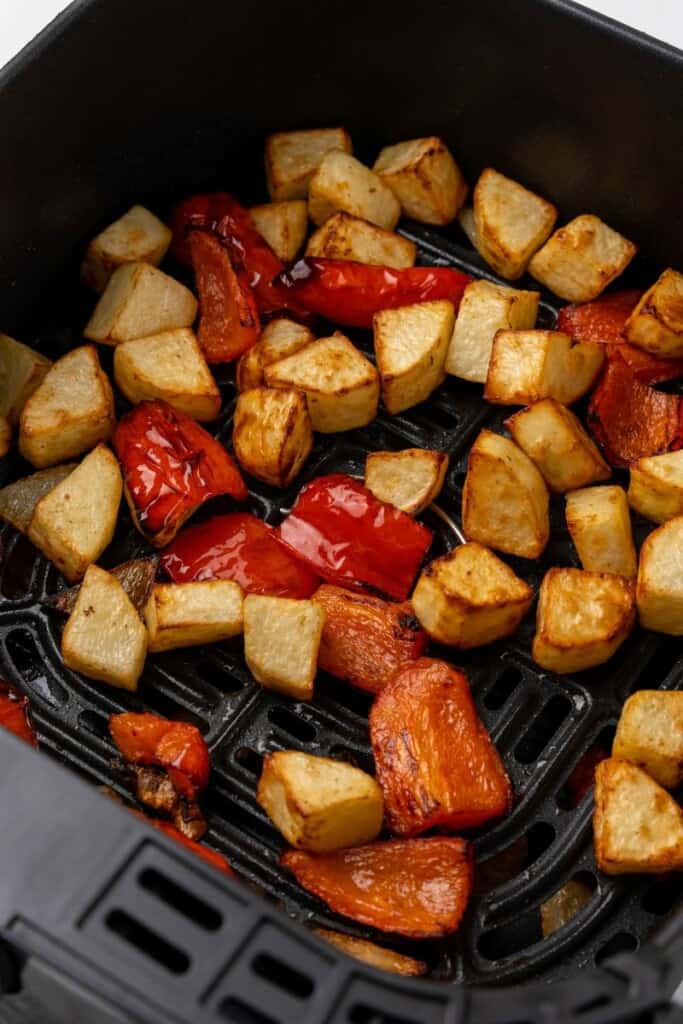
<point x="229" y="321"/>
<point x="171" y="466"/>
<point x="351" y="293"/>
<point x="177" y="747"/>
<point x="341" y="531"/>
<point x="210" y="856"/>
<point x="14" y="714"/>
<point x="242" y="548"/>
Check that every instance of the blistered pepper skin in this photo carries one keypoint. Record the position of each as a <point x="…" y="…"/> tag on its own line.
<point x="229" y="322"/>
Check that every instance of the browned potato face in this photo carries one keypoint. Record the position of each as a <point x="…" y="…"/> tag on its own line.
<point x="650" y="734"/>
<point x="21" y="371"/>
<point x="656" y="486"/>
<point x="411" y="345"/>
<point x="187" y="614"/>
<point x="600" y="526"/>
<point x="656" y="324"/>
<point x="369" y="953"/>
<point x="281" y="641"/>
<point x="272" y="434"/>
<point x="279" y="339"/>
<point x="292" y="159"/>
<point x="659" y="591"/>
<point x="343" y="237"/>
<point x="343" y="183"/>
<point x="137" y="237"/>
<point x="581" y="259"/>
<point x="283" y="225"/>
<point x="508" y="223"/>
<point x="411" y="479"/>
<point x="425" y="179"/>
<point x="138" y="301"/>
<point x="527" y="366"/>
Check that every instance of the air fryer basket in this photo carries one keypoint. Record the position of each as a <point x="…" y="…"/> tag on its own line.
<point x="93" y="905"/>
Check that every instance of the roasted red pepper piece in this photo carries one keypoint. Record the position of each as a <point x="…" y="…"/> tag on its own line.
<point x="171" y="466"/>
<point x="229" y="322"/>
<point x="178" y="747"/>
<point x="342" y="532"/>
<point x="351" y="293"/>
<point x="435" y="761"/>
<point x="14" y="714"/>
<point x="210" y="856"/>
<point x="414" y="887"/>
<point x="242" y="548"/>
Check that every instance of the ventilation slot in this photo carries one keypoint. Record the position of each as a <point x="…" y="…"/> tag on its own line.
<point x="148" y="942"/>
<point x="358" y="758"/>
<point x="349" y="697"/>
<point x="181" y="900"/>
<point x="622" y="942"/>
<point x="249" y="759"/>
<point x="542" y="730"/>
<point x="503" y="688"/>
<point x="165" y="704"/>
<point x="218" y="678"/>
<point x="24" y="654"/>
<point x="662" y="897"/>
<point x="362" y="1014"/>
<point x="290" y="723"/>
<point x="237" y="1012"/>
<point x="17" y="569"/>
<point x="512" y="938"/>
<point x="510" y="862"/>
<point x="282" y="975"/>
<point x="96" y="724"/>
<point x="581" y="779"/>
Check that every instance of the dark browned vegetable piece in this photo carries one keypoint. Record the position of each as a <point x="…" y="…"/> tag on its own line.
<point x="136" y="577"/>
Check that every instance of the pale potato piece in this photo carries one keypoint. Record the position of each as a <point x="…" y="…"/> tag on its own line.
<point x="19" y="499"/>
<point x="656" y="324"/>
<point x="509" y="223"/>
<point x="343" y="237"/>
<point x="75" y="521"/>
<point x="527" y="366"/>
<point x="170" y="366"/>
<point x="272" y="434"/>
<point x="340" y="384"/>
<point x="650" y="734"/>
<point x="292" y="159"/>
<point x="410" y="345"/>
<point x="70" y="412"/>
<point x="486" y="308"/>
<point x="138" y="301"/>
<point x="5" y="436"/>
<point x="656" y="486"/>
<point x="369" y="953"/>
<point x="425" y="179"/>
<point x="579" y="260"/>
<point x="504" y="500"/>
<point x="279" y="339"/>
<point x="555" y="439"/>
<point x="137" y="237"/>
<point x="104" y="638"/>
<point x="638" y="827"/>
<point x="21" y="371"/>
<point x="466" y="222"/>
<point x="281" y="641"/>
<point x="187" y="614"/>
<point x="582" y="618"/>
<point x="659" y="591"/>
<point x="343" y="183"/>
<point x="469" y="597"/>
<point x="599" y="523"/>
<point x="319" y="804"/>
<point x="283" y="225"/>
<point x="410" y="479"/>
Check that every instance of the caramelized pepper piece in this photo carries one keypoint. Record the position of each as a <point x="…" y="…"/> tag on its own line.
<point x="178" y="747"/>
<point x="229" y="321"/>
<point x="14" y="714"/>
<point x="435" y="761"/>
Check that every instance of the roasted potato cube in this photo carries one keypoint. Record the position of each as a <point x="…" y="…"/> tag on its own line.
<point x="136" y="576"/>
<point x="283" y="225"/>
<point x="638" y="827"/>
<point x="526" y="366"/>
<point x="343" y="237"/>
<point x="509" y="223"/>
<point x="19" y="499"/>
<point x="425" y="179"/>
<point x="343" y="183"/>
<point x="74" y="522"/>
<point x="469" y="597"/>
<point x="579" y="260"/>
<point x="485" y="309"/>
<point x="292" y="159"/>
<point x="656" y="324"/>
<point x="137" y="237"/>
<point x="187" y="614"/>
<point x="340" y="384"/>
<point x="582" y="618"/>
<point x="169" y="366"/>
<point x="319" y="804"/>
<point x="600" y="526"/>
<point x="656" y="486"/>
<point x="5" y="436"/>
<point x="272" y="434"/>
<point x="504" y="499"/>
<point x="466" y="222"/>
<point x="554" y="438"/>
<point x="138" y="301"/>
<point x="659" y="591"/>
<point x="21" y="371"/>
<point x="410" y="345"/>
<point x="279" y="339"/>
<point x="281" y="641"/>
<point x="376" y="956"/>
<point x="410" y="479"/>
<point x="104" y="638"/>
<point x="70" y="412"/>
<point x="650" y="734"/>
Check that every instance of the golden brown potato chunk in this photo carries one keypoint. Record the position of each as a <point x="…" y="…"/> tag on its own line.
<point x="504" y="499"/>
<point x="5" y="436"/>
<point x="343" y="183"/>
<point x="138" y="301"/>
<point x="272" y="434"/>
<point x="425" y="179"/>
<point x="279" y="339"/>
<point x="70" y="412"/>
<point x="469" y="597"/>
<point x="283" y="225"/>
<point x="411" y="345"/>
<point x="292" y="159"/>
<point x="410" y="479"/>
<point x="599" y="522"/>
<point x="579" y="260"/>
<point x="582" y="618"/>
<point x="376" y="956"/>
<point x="656" y="324"/>
<point x="187" y="614"/>
<point x="281" y="641"/>
<point x="638" y="827"/>
<point x="21" y="371"/>
<point x="137" y="237"/>
<point x="527" y="366"/>
<point x="656" y="486"/>
<point x="343" y="237"/>
<point x="319" y="804"/>
<point x="650" y="734"/>
<point x="659" y="591"/>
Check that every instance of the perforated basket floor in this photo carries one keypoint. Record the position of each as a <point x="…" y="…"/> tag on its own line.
<point x="542" y="724"/>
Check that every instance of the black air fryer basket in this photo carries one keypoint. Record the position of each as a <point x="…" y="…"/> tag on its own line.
<point x="103" y="920"/>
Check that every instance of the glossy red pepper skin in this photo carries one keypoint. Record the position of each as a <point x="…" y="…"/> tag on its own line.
<point x="342" y="532"/>
<point x="229" y="322"/>
<point x="178" y="747"/>
<point x="242" y="548"/>
<point x="212" y="857"/>
<point x="14" y="714"/>
<point x="351" y="293"/>
<point x="171" y="466"/>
